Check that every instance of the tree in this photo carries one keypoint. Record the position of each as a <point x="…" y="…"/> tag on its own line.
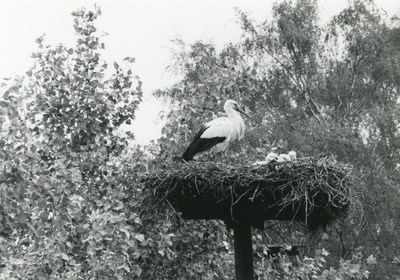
<point x="314" y="89"/>
<point x="64" y="182"/>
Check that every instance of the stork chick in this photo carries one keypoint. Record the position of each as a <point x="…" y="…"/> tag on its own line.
<point x="284" y="158"/>
<point x="293" y="155"/>
<point x="270" y="157"/>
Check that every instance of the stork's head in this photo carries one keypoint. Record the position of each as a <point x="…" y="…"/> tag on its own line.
<point x="272" y="156"/>
<point x="233" y="105"/>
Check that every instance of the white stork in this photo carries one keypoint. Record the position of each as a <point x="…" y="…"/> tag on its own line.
<point x="270" y="157"/>
<point x="216" y="135"/>
<point x="291" y="156"/>
<point x="283" y="158"/>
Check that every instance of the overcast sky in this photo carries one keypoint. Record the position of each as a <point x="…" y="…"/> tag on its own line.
<point x="136" y="28"/>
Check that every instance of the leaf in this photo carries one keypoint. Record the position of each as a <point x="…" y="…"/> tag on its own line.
<point x="6" y="94"/>
<point x="17" y="262"/>
<point x="119" y="207"/>
<point x="124" y="267"/>
<point x="126" y="231"/>
<point x="139" y="237"/>
<point x="355" y="268"/>
<point x="129" y="59"/>
<point x="371" y="260"/>
<point x="64" y="257"/>
<point x="3" y="111"/>
<point x="324" y="252"/>
<point x="137" y="270"/>
<point x="136" y="218"/>
<point x="14" y="90"/>
<point x="39" y="40"/>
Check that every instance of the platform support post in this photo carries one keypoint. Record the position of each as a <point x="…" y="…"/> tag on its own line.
<point x="243" y="252"/>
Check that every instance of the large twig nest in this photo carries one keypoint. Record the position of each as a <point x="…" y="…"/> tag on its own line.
<point x="315" y="192"/>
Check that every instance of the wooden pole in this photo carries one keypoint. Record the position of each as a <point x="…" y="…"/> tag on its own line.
<point x="243" y="252"/>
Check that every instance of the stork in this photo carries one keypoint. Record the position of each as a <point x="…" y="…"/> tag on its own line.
<point x="270" y="157"/>
<point x="291" y="156"/>
<point x="216" y="135"/>
<point x="283" y="158"/>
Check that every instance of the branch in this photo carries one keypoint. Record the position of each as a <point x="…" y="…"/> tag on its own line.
<point x="302" y="91"/>
<point x="284" y="67"/>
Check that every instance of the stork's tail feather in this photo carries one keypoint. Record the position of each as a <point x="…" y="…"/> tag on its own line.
<point x="187" y="155"/>
<point x="200" y="145"/>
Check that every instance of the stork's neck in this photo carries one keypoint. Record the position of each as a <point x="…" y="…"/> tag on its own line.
<point x="233" y="114"/>
<point x="237" y="121"/>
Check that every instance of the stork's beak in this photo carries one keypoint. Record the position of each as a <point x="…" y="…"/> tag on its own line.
<point x="240" y="110"/>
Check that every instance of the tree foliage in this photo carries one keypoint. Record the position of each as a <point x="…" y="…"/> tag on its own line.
<point x="311" y="88"/>
<point x="62" y="211"/>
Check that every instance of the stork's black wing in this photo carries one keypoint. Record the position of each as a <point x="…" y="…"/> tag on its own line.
<point x="200" y="144"/>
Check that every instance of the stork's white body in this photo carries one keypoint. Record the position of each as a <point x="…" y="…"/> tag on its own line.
<point x="216" y="135"/>
<point x="220" y="127"/>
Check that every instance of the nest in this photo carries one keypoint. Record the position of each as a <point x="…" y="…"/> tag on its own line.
<point x="314" y="192"/>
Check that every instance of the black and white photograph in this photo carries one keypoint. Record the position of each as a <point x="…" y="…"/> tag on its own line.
<point x="199" y="140"/>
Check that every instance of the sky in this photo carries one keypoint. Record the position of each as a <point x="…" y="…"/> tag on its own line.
<point x="135" y="28"/>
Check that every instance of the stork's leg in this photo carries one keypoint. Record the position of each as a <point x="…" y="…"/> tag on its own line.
<point x="219" y="157"/>
<point x="211" y="156"/>
<point x="224" y="155"/>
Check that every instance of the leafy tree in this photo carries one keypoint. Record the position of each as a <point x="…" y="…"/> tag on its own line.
<point x="64" y="182"/>
<point x="314" y="89"/>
